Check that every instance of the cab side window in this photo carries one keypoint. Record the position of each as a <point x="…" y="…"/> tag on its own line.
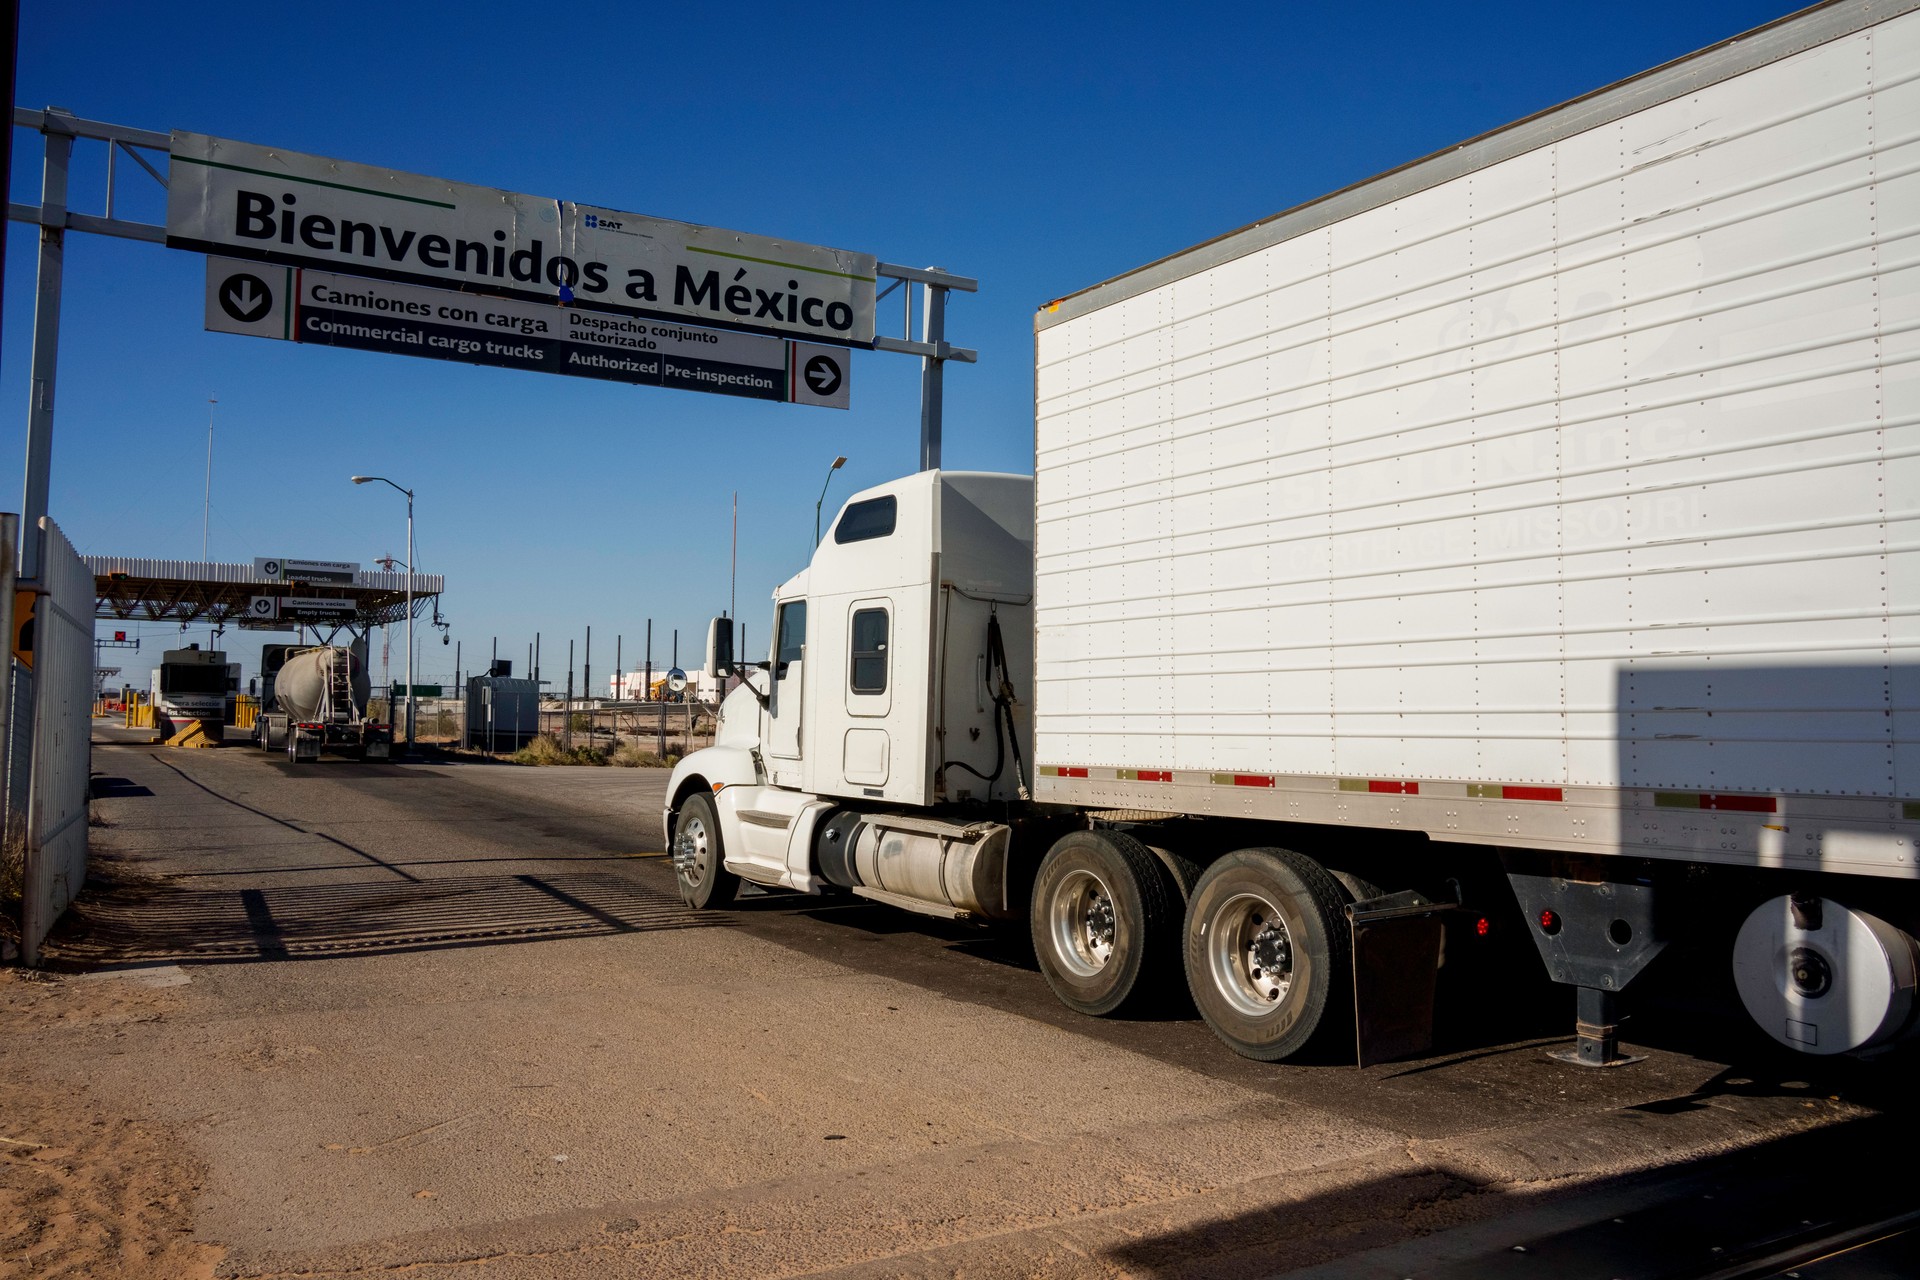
<point x="792" y="636"/>
<point x="868" y="670"/>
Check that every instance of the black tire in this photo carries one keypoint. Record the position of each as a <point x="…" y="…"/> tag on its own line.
<point x="1358" y="889"/>
<point x="1269" y="953"/>
<point x="1182" y="874"/>
<point x="1105" y="923"/>
<point x="700" y="869"/>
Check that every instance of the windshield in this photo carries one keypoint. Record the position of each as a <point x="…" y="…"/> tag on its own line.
<point x="196" y="679"/>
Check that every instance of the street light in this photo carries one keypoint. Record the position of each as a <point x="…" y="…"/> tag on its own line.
<point x="409" y="493"/>
<point x="837" y="464"/>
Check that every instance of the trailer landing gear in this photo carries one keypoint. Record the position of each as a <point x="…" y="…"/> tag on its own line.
<point x="1596" y="1032"/>
<point x="1597" y="934"/>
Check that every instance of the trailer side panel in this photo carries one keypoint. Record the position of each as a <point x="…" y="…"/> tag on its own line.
<point x="1570" y="502"/>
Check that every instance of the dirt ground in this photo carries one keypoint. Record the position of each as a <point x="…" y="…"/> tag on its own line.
<point x="87" y="1190"/>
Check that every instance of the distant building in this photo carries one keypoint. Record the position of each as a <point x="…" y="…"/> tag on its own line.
<point x="632" y="686"/>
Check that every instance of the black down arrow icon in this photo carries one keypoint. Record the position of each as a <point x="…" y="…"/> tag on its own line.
<point x="245" y="297"/>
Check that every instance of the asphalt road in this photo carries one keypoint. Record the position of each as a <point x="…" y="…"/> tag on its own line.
<point x="453" y="1018"/>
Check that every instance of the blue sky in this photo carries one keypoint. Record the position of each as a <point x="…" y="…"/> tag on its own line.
<point x="1040" y="149"/>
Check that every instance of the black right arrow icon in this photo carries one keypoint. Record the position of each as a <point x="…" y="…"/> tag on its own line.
<point x="823" y="375"/>
<point x="245" y="297"/>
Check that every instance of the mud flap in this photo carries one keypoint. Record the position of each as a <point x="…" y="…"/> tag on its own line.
<point x="1397" y="945"/>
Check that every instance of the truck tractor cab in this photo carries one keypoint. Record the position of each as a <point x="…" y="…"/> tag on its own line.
<point x="890" y="720"/>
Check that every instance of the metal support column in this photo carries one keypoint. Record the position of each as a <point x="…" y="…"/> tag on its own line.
<point x="46" y="338"/>
<point x="931" y="346"/>
<point x="933" y="326"/>
<point x="10" y="804"/>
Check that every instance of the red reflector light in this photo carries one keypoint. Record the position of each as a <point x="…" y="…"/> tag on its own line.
<point x="1549" y="922"/>
<point x="1483" y="926"/>
<point x="1740" y="804"/>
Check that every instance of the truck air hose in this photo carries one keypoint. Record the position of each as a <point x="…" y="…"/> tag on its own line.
<point x="1003" y="728"/>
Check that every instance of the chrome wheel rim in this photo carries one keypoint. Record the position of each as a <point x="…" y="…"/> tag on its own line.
<point x="1250" y="955"/>
<point x="1081" y="923"/>
<point x="692" y="849"/>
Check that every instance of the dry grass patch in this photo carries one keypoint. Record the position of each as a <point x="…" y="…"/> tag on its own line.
<point x="546" y="749"/>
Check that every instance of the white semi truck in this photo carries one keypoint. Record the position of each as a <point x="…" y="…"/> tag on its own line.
<point x="1533" y="529"/>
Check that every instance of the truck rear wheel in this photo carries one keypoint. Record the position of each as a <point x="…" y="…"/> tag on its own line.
<point x="698" y="857"/>
<point x="1105" y="922"/>
<point x="1269" y="955"/>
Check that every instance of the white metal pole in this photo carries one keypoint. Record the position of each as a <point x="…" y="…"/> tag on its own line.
<point x="206" y="512"/>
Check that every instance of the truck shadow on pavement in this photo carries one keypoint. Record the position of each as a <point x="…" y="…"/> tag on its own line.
<point x="121" y="923"/>
<point x="1740" y="1213"/>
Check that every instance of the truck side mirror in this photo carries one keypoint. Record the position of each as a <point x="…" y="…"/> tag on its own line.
<point x="720" y="648"/>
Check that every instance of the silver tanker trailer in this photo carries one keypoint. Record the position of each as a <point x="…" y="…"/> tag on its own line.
<point x="314" y="699"/>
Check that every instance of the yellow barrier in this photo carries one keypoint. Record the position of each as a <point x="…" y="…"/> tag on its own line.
<point x="139" y="715"/>
<point x="245" y="711"/>
<point x="195" y="735"/>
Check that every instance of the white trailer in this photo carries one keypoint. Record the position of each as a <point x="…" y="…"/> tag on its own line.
<point x="1550" y="505"/>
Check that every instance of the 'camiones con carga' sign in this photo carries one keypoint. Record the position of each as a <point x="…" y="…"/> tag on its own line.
<point x="247" y="201"/>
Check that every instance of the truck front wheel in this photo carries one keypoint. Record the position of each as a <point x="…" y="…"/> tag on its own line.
<point x="698" y="859"/>
<point x="1105" y="921"/>
<point x="1269" y="955"/>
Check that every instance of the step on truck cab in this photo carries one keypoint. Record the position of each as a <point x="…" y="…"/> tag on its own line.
<point x="1522" y="546"/>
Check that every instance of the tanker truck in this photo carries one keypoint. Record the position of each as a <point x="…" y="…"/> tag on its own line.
<point x="316" y="699"/>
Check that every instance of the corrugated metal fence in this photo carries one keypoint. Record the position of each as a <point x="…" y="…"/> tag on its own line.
<point x="62" y="685"/>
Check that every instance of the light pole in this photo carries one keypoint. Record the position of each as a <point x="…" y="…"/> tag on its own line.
<point x="837" y="464"/>
<point x="409" y="493"/>
<point x="206" y="515"/>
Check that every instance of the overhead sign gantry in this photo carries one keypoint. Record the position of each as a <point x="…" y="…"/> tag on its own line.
<point x="271" y="205"/>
